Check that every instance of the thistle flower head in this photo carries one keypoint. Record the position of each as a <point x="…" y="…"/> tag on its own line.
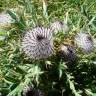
<point x="84" y="41"/>
<point x="59" y="26"/>
<point x="38" y="43"/>
<point x="29" y="91"/>
<point x="5" y="19"/>
<point x="67" y="52"/>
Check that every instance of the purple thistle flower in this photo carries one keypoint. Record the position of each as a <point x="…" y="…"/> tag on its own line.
<point x="38" y="43"/>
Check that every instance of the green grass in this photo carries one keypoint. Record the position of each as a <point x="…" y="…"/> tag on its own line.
<point x="57" y="79"/>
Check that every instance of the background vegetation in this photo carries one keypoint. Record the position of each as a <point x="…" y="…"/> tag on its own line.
<point x="52" y="76"/>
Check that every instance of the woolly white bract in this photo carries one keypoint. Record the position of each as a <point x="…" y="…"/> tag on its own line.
<point x="84" y="41"/>
<point x="38" y="43"/>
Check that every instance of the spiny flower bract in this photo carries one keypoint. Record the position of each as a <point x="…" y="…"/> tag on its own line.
<point x="38" y="43"/>
<point x="84" y="41"/>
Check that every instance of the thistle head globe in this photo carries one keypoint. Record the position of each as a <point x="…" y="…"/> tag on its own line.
<point x="29" y="91"/>
<point x="59" y="26"/>
<point x="84" y="41"/>
<point x="38" y="43"/>
<point x="5" y="20"/>
<point x="67" y="53"/>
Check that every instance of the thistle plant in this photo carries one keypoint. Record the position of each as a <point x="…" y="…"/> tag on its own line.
<point x="22" y="55"/>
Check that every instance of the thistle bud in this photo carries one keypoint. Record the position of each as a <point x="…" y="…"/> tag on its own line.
<point x="5" y="20"/>
<point x="59" y="26"/>
<point x="29" y="91"/>
<point x="67" y="53"/>
<point x="85" y="42"/>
